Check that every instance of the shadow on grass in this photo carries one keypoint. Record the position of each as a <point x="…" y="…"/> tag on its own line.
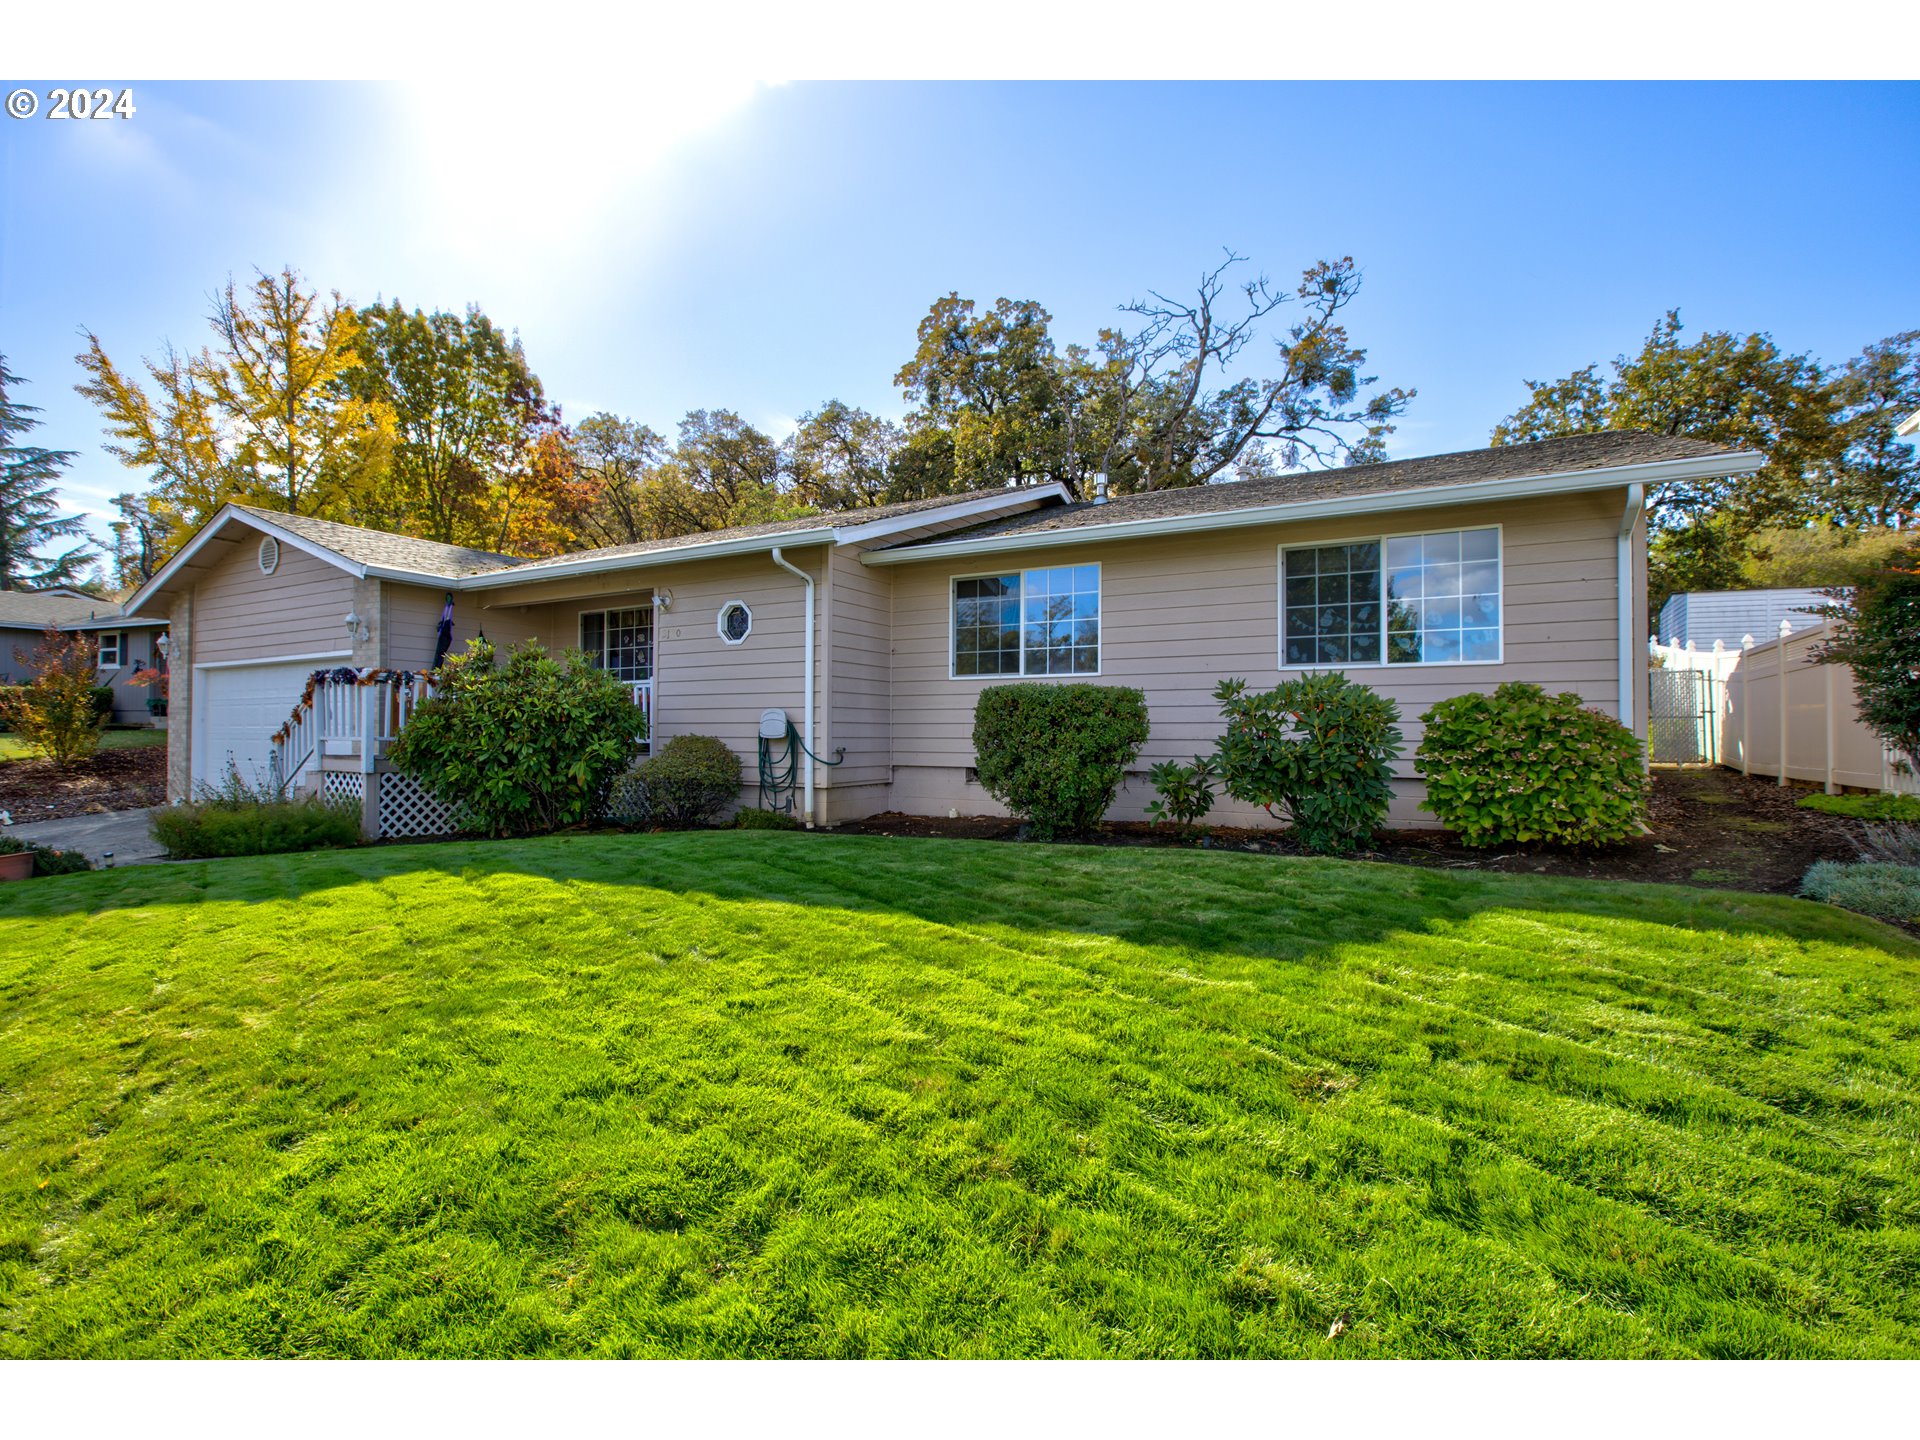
<point x="1262" y="906"/>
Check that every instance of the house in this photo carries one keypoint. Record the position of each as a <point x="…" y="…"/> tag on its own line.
<point x="874" y="630"/>
<point x="128" y="645"/>
<point x="1700" y="617"/>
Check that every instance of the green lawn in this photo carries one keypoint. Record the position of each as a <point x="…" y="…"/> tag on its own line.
<point x="774" y="1094"/>
<point x="12" y="747"/>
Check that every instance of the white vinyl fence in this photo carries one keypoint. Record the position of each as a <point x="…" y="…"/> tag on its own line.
<point x="1770" y="709"/>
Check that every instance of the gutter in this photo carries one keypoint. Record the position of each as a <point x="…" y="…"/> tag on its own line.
<point x="807" y="684"/>
<point x="1742" y="462"/>
<point x="1623" y="581"/>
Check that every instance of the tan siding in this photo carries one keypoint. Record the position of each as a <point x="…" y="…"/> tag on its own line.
<point x="411" y="624"/>
<point x="241" y="614"/>
<point x="1180" y="613"/>
<point x="858" y="704"/>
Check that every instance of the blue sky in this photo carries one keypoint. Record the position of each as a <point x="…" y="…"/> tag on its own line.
<point x="767" y="248"/>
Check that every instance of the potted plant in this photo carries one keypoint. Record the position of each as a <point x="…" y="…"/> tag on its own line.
<point x="153" y="678"/>
<point x="16" y="860"/>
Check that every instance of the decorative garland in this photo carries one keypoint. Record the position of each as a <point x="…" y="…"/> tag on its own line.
<point x="345" y="675"/>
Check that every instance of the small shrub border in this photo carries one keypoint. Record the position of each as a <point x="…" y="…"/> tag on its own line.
<point x="214" y="828"/>
<point x="686" y="785"/>
<point x="1522" y="766"/>
<point x="1056" y="754"/>
<point x="1878" y="888"/>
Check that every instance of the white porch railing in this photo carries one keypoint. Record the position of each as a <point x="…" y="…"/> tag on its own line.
<point x="338" y="719"/>
<point x="642" y="692"/>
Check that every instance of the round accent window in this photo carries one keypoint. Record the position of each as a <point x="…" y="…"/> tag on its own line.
<point x="736" y="621"/>
<point x="269" y="555"/>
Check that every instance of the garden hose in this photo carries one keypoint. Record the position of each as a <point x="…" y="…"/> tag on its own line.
<point x="780" y="774"/>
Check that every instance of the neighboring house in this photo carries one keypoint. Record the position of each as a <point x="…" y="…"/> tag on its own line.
<point x="1700" y="617"/>
<point x="127" y="644"/>
<point x="1525" y="562"/>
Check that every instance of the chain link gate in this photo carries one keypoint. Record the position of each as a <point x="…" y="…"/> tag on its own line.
<point x="1683" y="711"/>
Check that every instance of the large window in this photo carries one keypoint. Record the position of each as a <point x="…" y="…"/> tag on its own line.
<point x="619" y="641"/>
<point x="1429" y="599"/>
<point x="1034" y="622"/>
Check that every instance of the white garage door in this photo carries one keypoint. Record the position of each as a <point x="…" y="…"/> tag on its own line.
<point x="236" y="709"/>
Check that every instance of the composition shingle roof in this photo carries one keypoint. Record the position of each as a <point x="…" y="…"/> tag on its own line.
<point x="30" y="607"/>
<point x="386" y="550"/>
<point x="1567" y="455"/>
<point x="824" y="520"/>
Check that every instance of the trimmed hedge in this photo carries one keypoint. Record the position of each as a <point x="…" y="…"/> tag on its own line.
<point x="1055" y="754"/>
<point x="1319" y="748"/>
<point x="688" y="784"/>
<point x="1520" y="766"/>
<point x="275" y="827"/>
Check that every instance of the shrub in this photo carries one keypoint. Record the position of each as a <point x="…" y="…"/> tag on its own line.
<point x="1899" y="844"/>
<point x="691" y="780"/>
<point x="57" y="710"/>
<point x="752" y="818"/>
<point x="1521" y="765"/>
<point x="46" y="860"/>
<point x="1866" y="807"/>
<point x="210" y="828"/>
<point x="102" y="697"/>
<point x="530" y="747"/>
<point x="10" y="696"/>
<point x="1886" y="891"/>
<point x="1878" y="634"/>
<point x="1185" y="791"/>
<point x="1055" y="754"/>
<point x="1320" y="749"/>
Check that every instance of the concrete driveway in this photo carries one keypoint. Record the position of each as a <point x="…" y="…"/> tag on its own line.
<point x="123" y="832"/>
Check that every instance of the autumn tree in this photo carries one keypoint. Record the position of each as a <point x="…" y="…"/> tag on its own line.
<point x="267" y="415"/>
<point x="1181" y="421"/>
<point x="33" y="532"/>
<point x="841" y="457"/>
<point x="140" y="535"/>
<point x="723" y="472"/>
<point x="1832" y="458"/>
<point x="469" y="416"/>
<point x="616" y="462"/>
<point x="1165" y="403"/>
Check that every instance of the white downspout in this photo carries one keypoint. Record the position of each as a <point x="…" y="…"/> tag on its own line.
<point x="1636" y="501"/>
<point x="806" y="724"/>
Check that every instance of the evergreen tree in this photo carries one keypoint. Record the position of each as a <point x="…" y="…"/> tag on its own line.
<point x="31" y="525"/>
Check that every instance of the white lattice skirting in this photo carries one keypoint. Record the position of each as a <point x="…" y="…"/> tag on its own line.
<point x="340" y="788"/>
<point x="407" y="811"/>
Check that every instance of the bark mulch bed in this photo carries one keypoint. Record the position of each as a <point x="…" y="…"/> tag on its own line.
<point x="1712" y="828"/>
<point x="126" y="779"/>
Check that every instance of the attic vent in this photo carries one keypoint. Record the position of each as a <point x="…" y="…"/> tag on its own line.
<point x="269" y="554"/>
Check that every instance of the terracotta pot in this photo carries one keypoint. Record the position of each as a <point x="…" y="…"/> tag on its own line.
<point x="16" y="867"/>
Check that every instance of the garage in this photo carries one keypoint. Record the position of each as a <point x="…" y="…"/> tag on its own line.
<point x="236" y="709"/>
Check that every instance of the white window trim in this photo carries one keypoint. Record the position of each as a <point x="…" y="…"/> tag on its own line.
<point x="720" y="622"/>
<point x="953" y="635"/>
<point x="1381" y="538"/>
<point x="653" y="636"/>
<point x="119" y="649"/>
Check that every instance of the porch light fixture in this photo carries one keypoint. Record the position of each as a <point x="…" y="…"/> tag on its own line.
<point x="163" y="645"/>
<point x="663" y="599"/>
<point x="356" y="627"/>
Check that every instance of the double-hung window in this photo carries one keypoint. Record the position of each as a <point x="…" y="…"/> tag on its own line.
<point x="111" y="654"/>
<point x="1429" y="599"/>
<point x="619" y="641"/>
<point x="1029" y="622"/>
